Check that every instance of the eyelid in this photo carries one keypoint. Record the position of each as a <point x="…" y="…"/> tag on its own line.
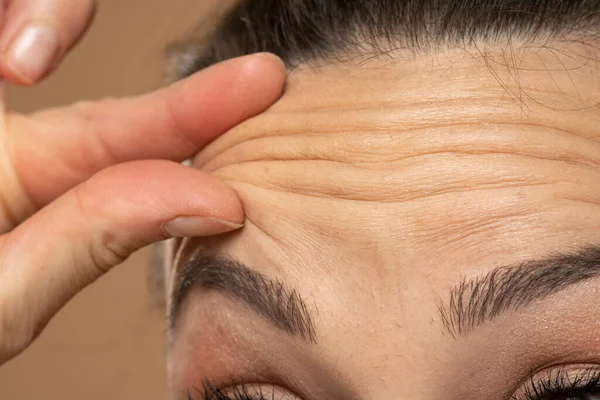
<point x="245" y="391"/>
<point x="559" y="380"/>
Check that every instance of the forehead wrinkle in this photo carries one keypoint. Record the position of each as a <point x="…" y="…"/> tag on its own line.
<point x="403" y="154"/>
<point x="413" y="95"/>
<point x="431" y="176"/>
<point x="372" y="146"/>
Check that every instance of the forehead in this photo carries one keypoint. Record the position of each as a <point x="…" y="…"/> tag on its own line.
<point x="373" y="191"/>
<point x="420" y="159"/>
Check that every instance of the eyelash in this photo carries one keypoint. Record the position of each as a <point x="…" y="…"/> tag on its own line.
<point x="238" y="391"/>
<point x="553" y="385"/>
<point x="562" y="384"/>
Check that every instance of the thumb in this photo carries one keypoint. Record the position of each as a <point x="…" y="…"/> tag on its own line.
<point x="70" y="243"/>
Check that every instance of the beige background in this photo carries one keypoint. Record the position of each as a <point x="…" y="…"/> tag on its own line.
<point x="108" y="342"/>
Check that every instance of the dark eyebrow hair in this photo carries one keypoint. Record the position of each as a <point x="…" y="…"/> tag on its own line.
<point x="474" y="302"/>
<point x="270" y="298"/>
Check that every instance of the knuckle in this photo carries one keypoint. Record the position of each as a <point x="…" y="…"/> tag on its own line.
<point x="107" y="252"/>
<point x="106" y="249"/>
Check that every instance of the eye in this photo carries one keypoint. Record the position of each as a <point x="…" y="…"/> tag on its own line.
<point x="580" y="383"/>
<point x="240" y="391"/>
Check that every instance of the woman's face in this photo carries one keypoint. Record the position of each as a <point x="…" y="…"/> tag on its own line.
<point x="402" y="218"/>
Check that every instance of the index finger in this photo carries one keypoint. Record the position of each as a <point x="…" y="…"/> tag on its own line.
<point x="173" y="124"/>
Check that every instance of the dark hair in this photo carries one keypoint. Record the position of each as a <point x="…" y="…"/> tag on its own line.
<point x="307" y="30"/>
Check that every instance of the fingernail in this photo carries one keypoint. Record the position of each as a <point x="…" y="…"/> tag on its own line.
<point x="33" y="52"/>
<point x="198" y="227"/>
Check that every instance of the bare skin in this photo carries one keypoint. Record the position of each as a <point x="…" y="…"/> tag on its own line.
<point x="373" y="189"/>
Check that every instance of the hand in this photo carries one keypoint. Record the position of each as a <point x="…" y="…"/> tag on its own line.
<point x="83" y="187"/>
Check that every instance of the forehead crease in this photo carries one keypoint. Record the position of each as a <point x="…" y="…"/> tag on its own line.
<point x="375" y="144"/>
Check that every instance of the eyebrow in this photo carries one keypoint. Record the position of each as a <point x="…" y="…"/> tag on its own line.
<point x="272" y="299"/>
<point x="475" y="302"/>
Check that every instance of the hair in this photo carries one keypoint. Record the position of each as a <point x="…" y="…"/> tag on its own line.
<point x="303" y="31"/>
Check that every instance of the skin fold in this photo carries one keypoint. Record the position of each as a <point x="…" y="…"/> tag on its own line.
<point x="372" y="187"/>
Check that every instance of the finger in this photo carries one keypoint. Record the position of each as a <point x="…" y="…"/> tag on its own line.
<point x="67" y="245"/>
<point x="60" y="148"/>
<point x="37" y="34"/>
